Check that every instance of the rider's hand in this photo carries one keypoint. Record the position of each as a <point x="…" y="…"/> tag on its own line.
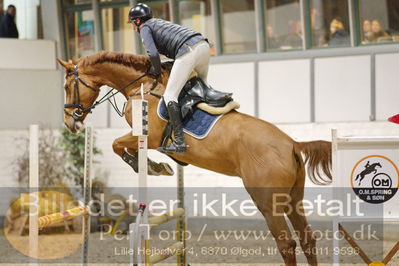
<point x="153" y="73"/>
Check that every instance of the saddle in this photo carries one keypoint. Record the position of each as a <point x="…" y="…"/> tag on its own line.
<point x="195" y="92"/>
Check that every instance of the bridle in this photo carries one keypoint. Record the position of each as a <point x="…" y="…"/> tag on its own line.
<point x="80" y="110"/>
<point x="77" y="114"/>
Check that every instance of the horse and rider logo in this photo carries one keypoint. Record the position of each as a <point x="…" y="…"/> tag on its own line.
<point x="369" y="168"/>
<point x="375" y="179"/>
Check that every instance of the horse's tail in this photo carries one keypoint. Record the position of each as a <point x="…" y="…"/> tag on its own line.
<point x="317" y="157"/>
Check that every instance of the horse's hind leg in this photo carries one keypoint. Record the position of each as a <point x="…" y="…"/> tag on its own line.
<point x="278" y="226"/>
<point x="126" y="148"/>
<point x="300" y="224"/>
<point x="275" y="219"/>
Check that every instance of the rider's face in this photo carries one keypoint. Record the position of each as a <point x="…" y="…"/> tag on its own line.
<point x="135" y="28"/>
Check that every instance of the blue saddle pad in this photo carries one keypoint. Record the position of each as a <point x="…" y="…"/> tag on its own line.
<point x="198" y="125"/>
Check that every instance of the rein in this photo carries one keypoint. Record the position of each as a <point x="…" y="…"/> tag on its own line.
<point x="77" y="114"/>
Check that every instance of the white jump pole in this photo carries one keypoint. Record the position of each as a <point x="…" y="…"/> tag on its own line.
<point x="139" y="234"/>
<point x="34" y="196"/>
<point x="140" y="129"/>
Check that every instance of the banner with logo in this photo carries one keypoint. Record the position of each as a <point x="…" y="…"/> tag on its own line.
<point x="367" y="169"/>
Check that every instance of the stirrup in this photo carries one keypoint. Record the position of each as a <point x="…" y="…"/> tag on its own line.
<point x="173" y="148"/>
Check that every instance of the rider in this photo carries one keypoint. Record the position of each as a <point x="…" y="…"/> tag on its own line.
<point x="191" y="52"/>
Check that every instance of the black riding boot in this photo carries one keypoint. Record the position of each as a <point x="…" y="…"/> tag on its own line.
<point x="178" y="145"/>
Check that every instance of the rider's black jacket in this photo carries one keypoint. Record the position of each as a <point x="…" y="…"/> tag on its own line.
<point x="163" y="37"/>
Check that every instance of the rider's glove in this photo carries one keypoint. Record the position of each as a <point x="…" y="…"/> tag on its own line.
<point x="154" y="73"/>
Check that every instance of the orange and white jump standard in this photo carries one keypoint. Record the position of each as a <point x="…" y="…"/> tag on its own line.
<point x="140" y="230"/>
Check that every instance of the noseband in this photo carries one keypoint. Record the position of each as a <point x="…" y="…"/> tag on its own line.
<point x="80" y="110"/>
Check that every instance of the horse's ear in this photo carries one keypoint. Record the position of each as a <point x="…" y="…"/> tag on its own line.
<point x="67" y="65"/>
<point x="74" y="61"/>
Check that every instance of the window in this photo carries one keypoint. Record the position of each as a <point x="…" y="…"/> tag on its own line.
<point x="117" y="33"/>
<point x="80" y="33"/>
<point x="283" y="24"/>
<point x="379" y="21"/>
<point x="76" y="2"/>
<point x="197" y="16"/>
<point x="330" y="23"/>
<point x="160" y="10"/>
<point x="238" y="26"/>
<point x="117" y="1"/>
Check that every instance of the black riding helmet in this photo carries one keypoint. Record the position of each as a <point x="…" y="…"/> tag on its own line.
<point x="141" y="11"/>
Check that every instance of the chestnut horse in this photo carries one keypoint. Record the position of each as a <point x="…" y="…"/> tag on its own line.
<point x="268" y="161"/>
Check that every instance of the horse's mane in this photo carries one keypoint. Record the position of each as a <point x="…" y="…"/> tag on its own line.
<point x="138" y="62"/>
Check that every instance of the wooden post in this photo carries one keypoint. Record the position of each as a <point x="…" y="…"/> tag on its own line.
<point x="391" y="253"/>
<point x="352" y="242"/>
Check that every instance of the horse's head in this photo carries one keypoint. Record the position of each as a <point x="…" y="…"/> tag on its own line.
<point x="80" y="94"/>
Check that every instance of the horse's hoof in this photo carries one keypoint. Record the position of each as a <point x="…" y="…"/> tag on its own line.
<point x="167" y="169"/>
<point x="151" y="171"/>
<point x="158" y="169"/>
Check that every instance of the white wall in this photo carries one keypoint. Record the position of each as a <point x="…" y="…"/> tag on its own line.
<point x="10" y="149"/>
<point x="98" y="117"/>
<point x="30" y="84"/>
<point x="27" y="54"/>
<point x="116" y="120"/>
<point x="387" y="85"/>
<point x="284" y="91"/>
<point x="30" y="96"/>
<point x="343" y="88"/>
<point x="236" y="78"/>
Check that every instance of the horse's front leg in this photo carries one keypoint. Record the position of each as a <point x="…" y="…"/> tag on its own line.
<point x="126" y="148"/>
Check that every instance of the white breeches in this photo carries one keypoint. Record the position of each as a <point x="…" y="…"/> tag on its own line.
<point x="196" y="59"/>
